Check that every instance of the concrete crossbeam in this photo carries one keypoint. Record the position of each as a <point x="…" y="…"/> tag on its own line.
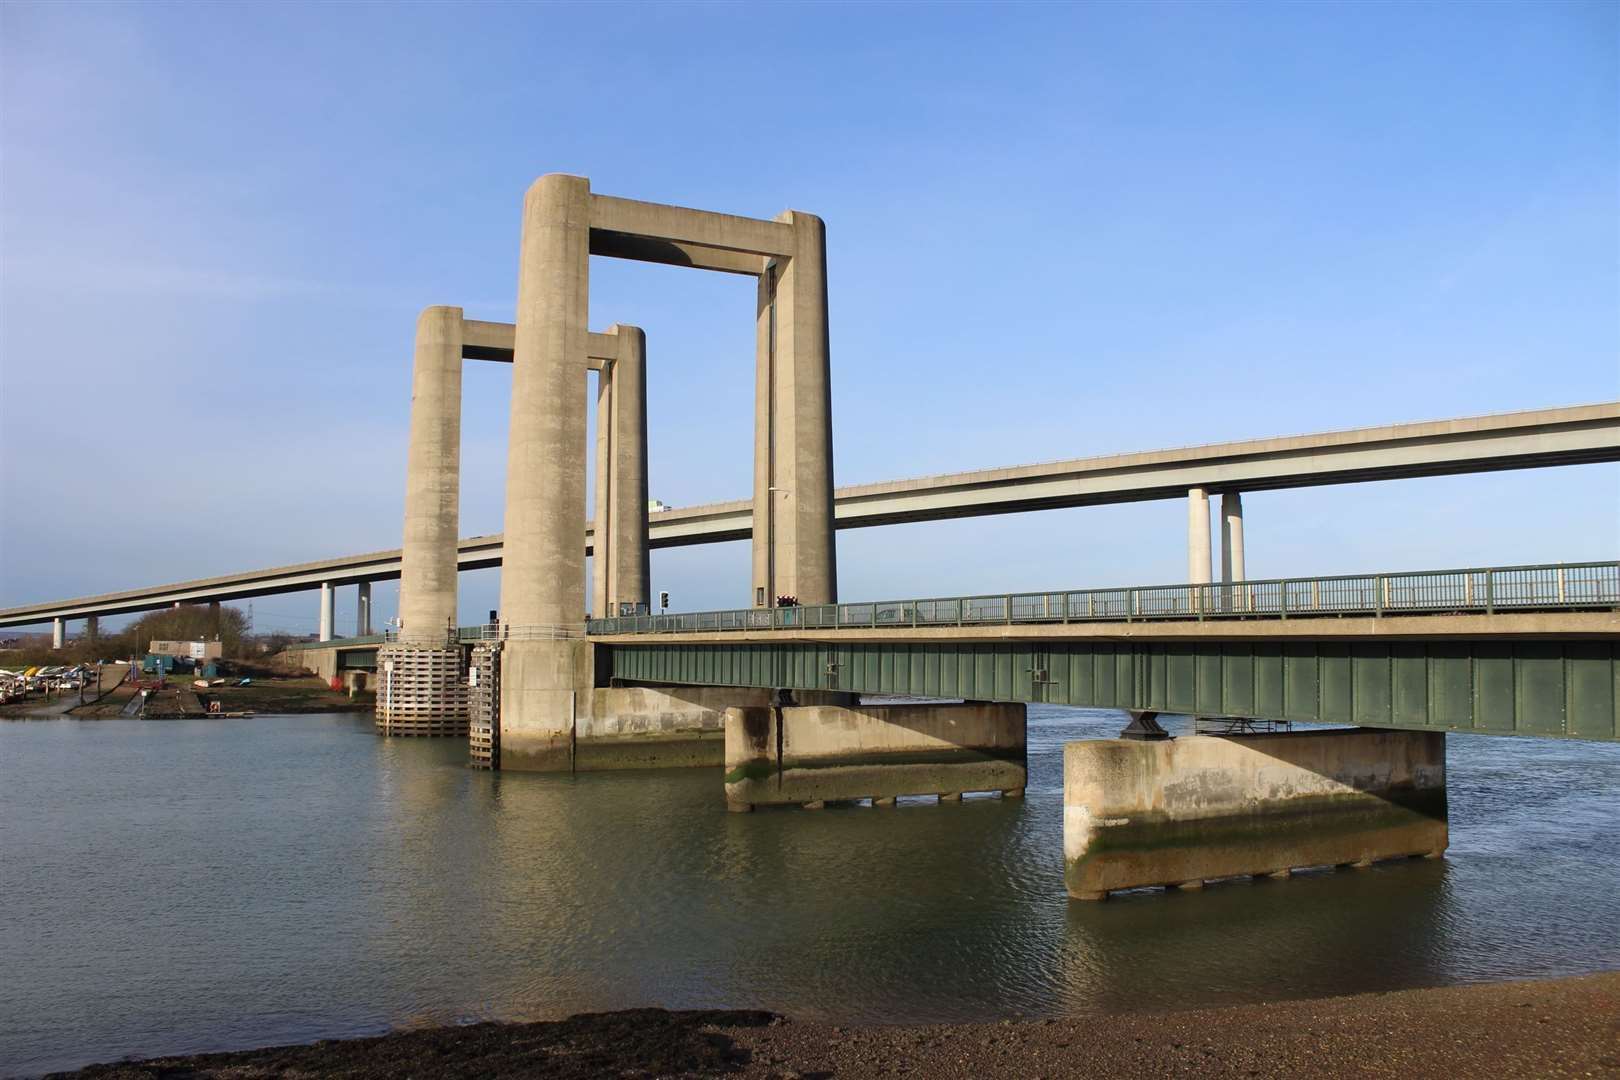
<point x="698" y="228"/>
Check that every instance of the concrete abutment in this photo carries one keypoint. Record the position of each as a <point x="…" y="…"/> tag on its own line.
<point x="809" y="755"/>
<point x="1184" y="811"/>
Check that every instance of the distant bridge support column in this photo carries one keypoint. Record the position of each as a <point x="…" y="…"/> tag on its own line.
<point x="362" y="609"/>
<point x="326" y="611"/>
<point x="58" y="633"/>
<point x="1183" y="811"/>
<point x="546" y="670"/>
<point x="1232" y="568"/>
<point x="215" y="626"/>
<point x="1232" y="552"/>
<point x="92" y="629"/>
<point x="1198" y="565"/>
<point x="794" y="550"/>
<point x="629" y="573"/>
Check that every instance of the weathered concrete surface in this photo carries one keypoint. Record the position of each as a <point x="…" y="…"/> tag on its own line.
<point x="665" y="727"/>
<point x="1187" y="810"/>
<point x="629" y="579"/>
<point x="644" y="727"/>
<point x="792" y="516"/>
<point x="427" y="586"/>
<point x="814" y="754"/>
<point x="545" y="686"/>
<point x="543" y="576"/>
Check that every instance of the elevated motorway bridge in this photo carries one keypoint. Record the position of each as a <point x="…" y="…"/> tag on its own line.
<point x="1532" y="439"/>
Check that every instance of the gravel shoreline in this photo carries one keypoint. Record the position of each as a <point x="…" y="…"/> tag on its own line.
<point x="1553" y="1028"/>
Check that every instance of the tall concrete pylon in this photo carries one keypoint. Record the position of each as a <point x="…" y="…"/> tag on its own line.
<point x="795" y="553"/>
<point x="546" y="677"/>
<point x="621" y="568"/>
<point x="422" y="662"/>
<point x="428" y="566"/>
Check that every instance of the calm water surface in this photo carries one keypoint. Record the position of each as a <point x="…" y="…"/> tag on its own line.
<point x="171" y="887"/>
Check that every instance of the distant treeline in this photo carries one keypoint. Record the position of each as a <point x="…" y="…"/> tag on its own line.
<point x="191" y="622"/>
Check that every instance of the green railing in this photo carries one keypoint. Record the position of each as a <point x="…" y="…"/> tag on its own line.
<point x="1552" y="587"/>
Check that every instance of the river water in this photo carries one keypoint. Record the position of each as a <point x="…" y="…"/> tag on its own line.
<point x="170" y="887"/>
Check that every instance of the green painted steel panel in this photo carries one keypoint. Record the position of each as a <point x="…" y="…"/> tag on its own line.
<point x="1451" y="686"/>
<point x="1335" y="685"/>
<point x="1302" y="694"/>
<point x="1082" y="678"/>
<point x="1370" y="689"/>
<point x="1591" y="694"/>
<point x="1268" y="680"/>
<point x="1104" y="674"/>
<point x="1237" y="681"/>
<point x="1180" y="679"/>
<point x="1158" y="695"/>
<point x="1409" y="684"/>
<point x="1493" y="686"/>
<point x="1125" y="679"/>
<point x="1538" y="688"/>
<point x="984" y="674"/>
<point x="1208" y="689"/>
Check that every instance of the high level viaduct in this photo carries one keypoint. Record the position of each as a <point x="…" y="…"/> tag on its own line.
<point x="1522" y="440"/>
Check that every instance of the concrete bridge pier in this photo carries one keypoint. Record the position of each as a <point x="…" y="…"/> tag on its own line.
<point x="327" y="611"/>
<point x="809" y="755"/>
<point x="58" y="633"/>
<point x="362" y="609"/>
<point x="1232" y="568"/>
<point x="1198" y="561"/>
<point x="92" y="629"/>
<point x="1180" y="812"/>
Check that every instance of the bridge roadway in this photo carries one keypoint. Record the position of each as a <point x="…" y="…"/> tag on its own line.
<point x="1533" y="439"/>
<point x="1507" y="650"/>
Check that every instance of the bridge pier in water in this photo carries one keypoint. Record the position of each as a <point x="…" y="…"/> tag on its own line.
<point x="810" y="755"/>
<point x="1180" y="812"/>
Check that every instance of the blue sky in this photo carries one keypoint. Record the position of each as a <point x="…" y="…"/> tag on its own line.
<point x="1052" y="232"/>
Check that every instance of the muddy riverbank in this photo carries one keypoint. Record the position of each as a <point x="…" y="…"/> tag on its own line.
<point x="1560" y="1027"/>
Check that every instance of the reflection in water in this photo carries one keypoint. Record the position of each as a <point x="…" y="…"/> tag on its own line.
<point x="190" y="885"/>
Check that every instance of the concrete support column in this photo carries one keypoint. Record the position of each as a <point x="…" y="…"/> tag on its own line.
<point x="629" y="567"/>
<point x="215" y="626"/>
<point x="362" y="609"/>
<point x="543" y="572"/>
<point x="602" y="519"/>
<point x="546" y="678"/>
<point x="794" y="550"/>
<point x="326" y="611"/>
<point x="428" y="563"/>
<point x="92" y="629"/>
<point x="1232" y="536"/>
<point x="1198" y="561"/>
<point x="58" y="633"/>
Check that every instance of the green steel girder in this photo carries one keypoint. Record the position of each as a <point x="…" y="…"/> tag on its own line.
<point x="1551" y="689"/>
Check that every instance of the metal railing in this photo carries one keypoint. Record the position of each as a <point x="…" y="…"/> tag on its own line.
<point x="1488" y="591"/>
